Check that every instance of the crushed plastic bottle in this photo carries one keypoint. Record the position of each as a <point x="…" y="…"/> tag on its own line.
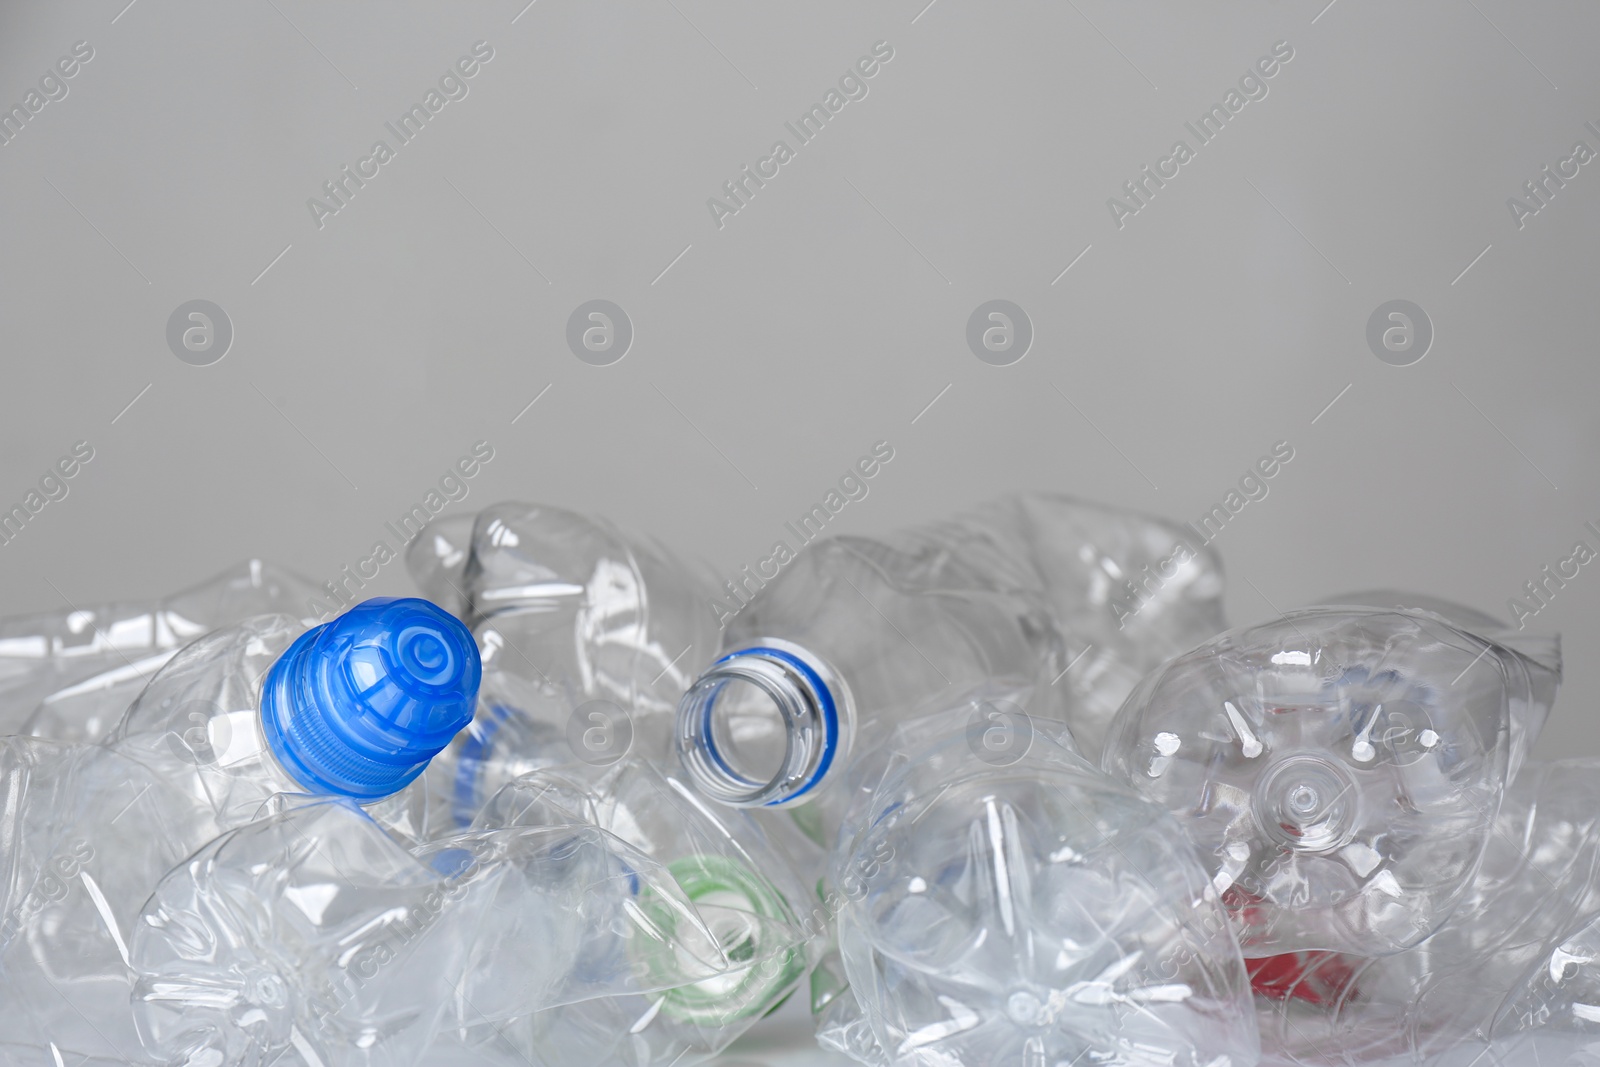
<point x="588" y="638"/>
<point x="69" y="675"/>
<point x="1127" y="591"/>
<point x="1553" y="1014"/>
<point x="313" y="932"/>
<point x="739" y="889"/>
<point x="853" y="637"/>
<point x="1508" y="971"/>
<point x="849" y="640"/>
<point x="1093" y="596"/>
<point x="1338" y="768"/>
<point x="1540" y="654"/>
<point x="351" y="708"/>
<point x="1011" y="904"/>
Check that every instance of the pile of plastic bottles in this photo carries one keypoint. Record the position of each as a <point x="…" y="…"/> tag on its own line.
<point x="998" y="790"/>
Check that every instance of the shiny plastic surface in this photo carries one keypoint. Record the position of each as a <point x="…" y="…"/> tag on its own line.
<point x="92" y="837"/>
<point x="69" y="675"/>
<point x="570" y="606"/>
<point x="1339" y="770"/>
<point x="568" y="612"/>
<point x="741" y="891"/>
<point x="1127" y="591"/>
<point x="356" y="707"/>
<point x="314" y="932"/>
<point x="1508" y="970"/>
<point x="1025" y="910"/>
<point x="894" y="632"/>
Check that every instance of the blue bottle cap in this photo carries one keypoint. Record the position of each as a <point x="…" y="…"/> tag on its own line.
<point x="357" y="707"/>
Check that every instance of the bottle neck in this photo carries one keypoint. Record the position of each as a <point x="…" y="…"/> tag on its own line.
<point x="764" y="725"/>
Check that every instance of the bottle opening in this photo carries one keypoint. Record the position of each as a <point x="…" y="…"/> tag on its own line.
<point x="749" y="730"/>
<point x="763" y="725"/>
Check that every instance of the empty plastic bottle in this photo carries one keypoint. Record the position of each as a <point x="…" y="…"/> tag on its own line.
<point x="1339" y="769"/>
<point x="1127" y="591"/>
<point x="588" y="638"/>
<point x="69" y="675"/>
<point x="352" y="708"/>
<point x="1007" y="903"/>
<point x="739" y="889"/>
<point x="1507" y="965"/>
<point x="312" y="932"/>
<point x="1553" y="1014"/>
<point x="855" y="634"/>
<point x="1025" y="584"/>
<point x="1540" y="654"/>
<point x="847" y="641"/>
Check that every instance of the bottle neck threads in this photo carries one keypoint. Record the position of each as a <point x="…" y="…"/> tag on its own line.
<point x="768" y="690"/>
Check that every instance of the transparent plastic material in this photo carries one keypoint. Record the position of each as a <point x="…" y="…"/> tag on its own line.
<point x="69" y="675"/>
<point x="312" y="932"/>
<point x="189" y="760"/>
<point x="1513" y="967"/>
<point x="1127" y="591"/>
<point x="85" y="833"/>
<point x="851" y="637"/>
<point x="1338" y="768"/>
<point x="739" y="888"/>
<point x="310" y="929"/>
<point x="1017" y="906"/>
<point x="1553" y="1015"/>
<point x="1540" y="653"/>
<point x="588" y="638"/>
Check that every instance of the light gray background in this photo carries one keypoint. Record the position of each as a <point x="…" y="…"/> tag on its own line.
<point x="1225" y="316"/>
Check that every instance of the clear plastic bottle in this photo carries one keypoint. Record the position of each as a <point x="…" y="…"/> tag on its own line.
<point x="1339" y="769"/>
<point x="856" y="634"/>
<point x="850" y="639"/>
<point x="588" y="638"/>
<point x="739" y="889"/>
<point x="1553" y="1014"/>
<point x="1090" y="596"/>
<point x="313" y="932"/>
<point x="1507" y="970"/>
<point x="1007" y="903"/>
<point x="69" y="675"/>
<point x="1127" y="591"/>
<point x="1540" y="654"/>
<point x="351" y="708"/>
